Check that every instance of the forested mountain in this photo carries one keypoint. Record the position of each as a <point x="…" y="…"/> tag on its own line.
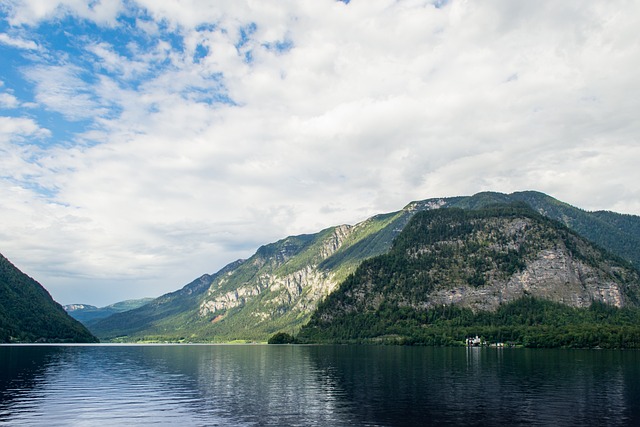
<point x="29" y="314"/>
<point x="615" y="232"/>
<point x="279" y="287"/>
<point x="499" y="270"/>
<point x="86" y="314"/>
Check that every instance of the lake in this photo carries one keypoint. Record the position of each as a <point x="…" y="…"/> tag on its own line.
<point x="261" y="385"/>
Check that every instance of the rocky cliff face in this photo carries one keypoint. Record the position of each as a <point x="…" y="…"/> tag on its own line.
<point x="299" y="291"/>
<point x="554" y="275"/>
<point x="481" y="260"/>
<point x="277" y="285"/>
<point x="550" y="270"/>
<point x="299" y="288"/>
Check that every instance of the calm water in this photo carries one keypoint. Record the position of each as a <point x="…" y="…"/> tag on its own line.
<point x="257" y="385"/>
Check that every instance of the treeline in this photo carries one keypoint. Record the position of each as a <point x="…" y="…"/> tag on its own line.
<point x="527" y="322"/>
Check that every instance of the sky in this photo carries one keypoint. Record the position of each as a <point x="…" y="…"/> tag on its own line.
<point x="144" y="143"/>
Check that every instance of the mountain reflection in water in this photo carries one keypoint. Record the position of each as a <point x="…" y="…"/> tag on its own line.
<point x="255" y="385"/>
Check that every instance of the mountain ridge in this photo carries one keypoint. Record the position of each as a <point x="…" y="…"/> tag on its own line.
<point x="86" y="313"/>
<point x="278" y="288"/>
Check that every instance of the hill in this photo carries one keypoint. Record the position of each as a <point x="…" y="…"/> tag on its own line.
<point x="29" y="314"/>
<point x="279" y="287"/>
<point x="498" y="270"/>
<point x="85" y="313"/>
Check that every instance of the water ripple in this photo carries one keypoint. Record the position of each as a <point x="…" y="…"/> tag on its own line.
<point x="300" y="386"/>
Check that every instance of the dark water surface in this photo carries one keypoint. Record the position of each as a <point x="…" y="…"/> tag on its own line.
<point x="249" y="385"/>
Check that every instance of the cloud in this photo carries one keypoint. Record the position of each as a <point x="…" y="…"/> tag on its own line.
<point x="17" y="128"/>
<point x="18" y="42"/>
<point x="112" y="62"/>
<point x="32" y="12"/>
<point x="198" y="140"/>
<point x="8" y="101"/>
<point x="61" y="88"/>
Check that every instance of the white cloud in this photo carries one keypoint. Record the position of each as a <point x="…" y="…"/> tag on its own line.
<point x="18" y="42"/>
<point x="12" y="128"/>
<point x="61" y="88"/>
<point x="112" y="62"/>
<point x="367" y="106"/>
<point x="7" y="100"/>
<point x="31" y="12"/>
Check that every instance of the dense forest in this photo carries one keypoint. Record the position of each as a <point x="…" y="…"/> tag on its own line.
<point x="29" y="314"/>
<point x="527" y="322"/>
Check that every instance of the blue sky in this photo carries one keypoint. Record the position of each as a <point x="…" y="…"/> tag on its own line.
<point x="144" y="143"/>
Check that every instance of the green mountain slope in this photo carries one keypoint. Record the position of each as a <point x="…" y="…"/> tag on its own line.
<point x="615" y="232"/>
<point x="279" y="287"/>
<point x="172" y="313"/>
<point x="451" y="268"/>
<point x="29" y="314"/>
<point x="86" y="314"/>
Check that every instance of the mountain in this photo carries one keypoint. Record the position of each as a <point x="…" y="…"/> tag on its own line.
<point x="279" y="287"/>
<point x="503" y="259"/>
<point x="29" y="314"/>
<point x="618" y="233"/>
<point x="86" y="313"/>
<point x="167" y="316"/>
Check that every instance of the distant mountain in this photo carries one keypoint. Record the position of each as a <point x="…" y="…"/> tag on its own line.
<point x="88" y="313"/>
<point x="169" y="316"/>
<point x="29" y="314"/>
<point x="470" y="262"/>
<point x="279" y="287"/>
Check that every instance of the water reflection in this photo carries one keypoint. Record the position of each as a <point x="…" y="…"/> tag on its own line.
<point x="421" y="386"/>
<point x="268" y="386"/>
<point x="19" y="374"/>
<point x="103" y="386"/>
<point x="316" y="385"/>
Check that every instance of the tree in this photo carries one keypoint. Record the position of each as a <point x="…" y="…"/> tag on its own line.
<point x="281" y="338"/>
